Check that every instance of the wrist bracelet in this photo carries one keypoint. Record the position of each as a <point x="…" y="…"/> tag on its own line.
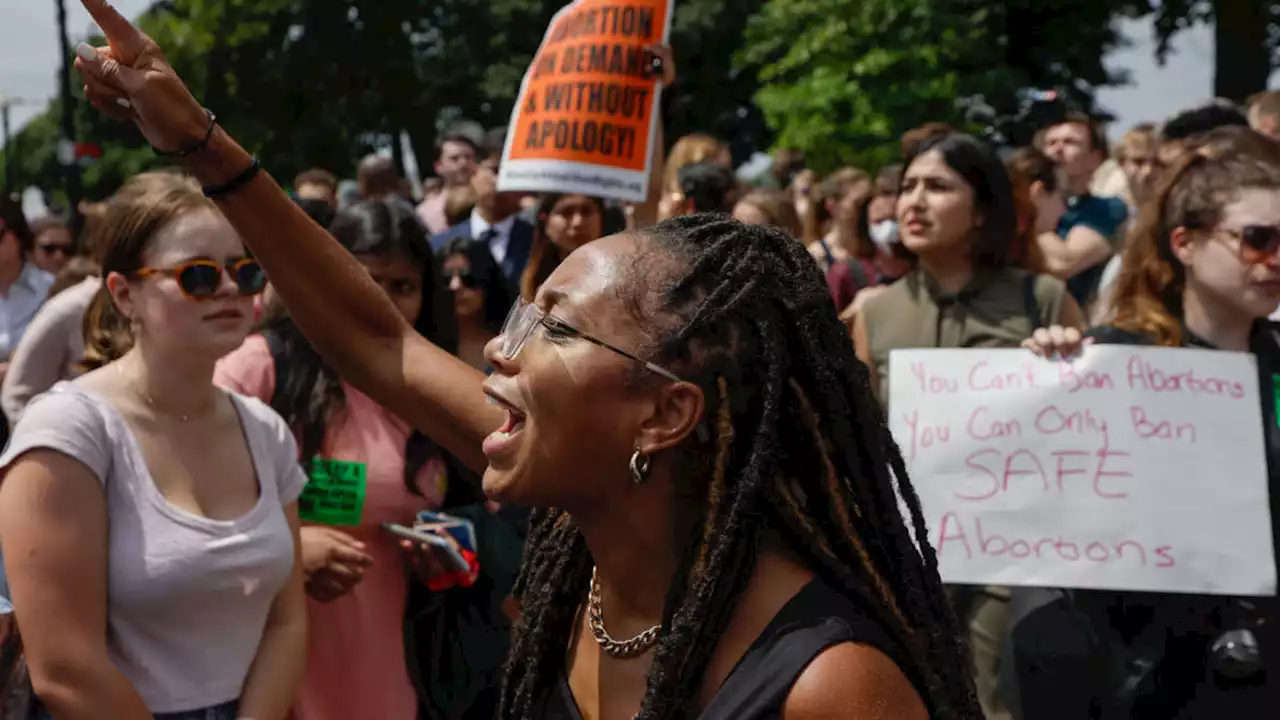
<point x="191" y="149"/>
<point x="239" y="181"/>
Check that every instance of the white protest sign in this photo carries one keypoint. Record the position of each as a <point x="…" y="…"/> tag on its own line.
<point x="1125" y="469"/>
<point x="587" y="115"/>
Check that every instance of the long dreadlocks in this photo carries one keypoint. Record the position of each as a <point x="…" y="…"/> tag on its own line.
<point x="800" y="447"/>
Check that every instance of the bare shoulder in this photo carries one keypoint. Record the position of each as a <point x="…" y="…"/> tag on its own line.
<point x="851" y="680"/>
<point x="103" y="381"/>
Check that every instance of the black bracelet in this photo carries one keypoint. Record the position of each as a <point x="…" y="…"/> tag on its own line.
<point x="239" y="181"/>
<point x="191" y="149"/>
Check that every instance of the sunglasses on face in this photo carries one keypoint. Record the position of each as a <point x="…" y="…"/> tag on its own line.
<point x="1258" y="243"/>
<point x="200" y="279"/>
<point x="464" y="276"/>
<point x="55" y="249"/>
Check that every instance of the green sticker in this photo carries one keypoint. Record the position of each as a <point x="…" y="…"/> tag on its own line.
<point x="335" y="493"/>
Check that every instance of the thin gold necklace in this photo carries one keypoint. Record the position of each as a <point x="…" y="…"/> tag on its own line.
<point x="136" y="387"/>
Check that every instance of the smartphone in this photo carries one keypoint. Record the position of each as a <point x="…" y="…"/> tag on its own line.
<point x="443" y="549"/>
<point x="461" y="530"/>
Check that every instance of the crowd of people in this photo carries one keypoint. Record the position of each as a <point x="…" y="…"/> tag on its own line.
<point x="664" y="422"/>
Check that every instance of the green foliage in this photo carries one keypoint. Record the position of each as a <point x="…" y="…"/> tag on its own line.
<point x="843" y="79"/>
<point x="308" y="83"/>
<point x="320" y="82"/>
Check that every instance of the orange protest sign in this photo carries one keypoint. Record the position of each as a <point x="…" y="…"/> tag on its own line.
<point x="584" y="121"/>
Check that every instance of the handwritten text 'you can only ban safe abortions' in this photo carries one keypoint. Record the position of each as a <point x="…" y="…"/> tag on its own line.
<point x="1066" y="445"/>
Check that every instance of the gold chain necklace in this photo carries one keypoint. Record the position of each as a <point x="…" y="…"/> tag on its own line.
<point x="136" y="387"/>
<point x="615" y="648"/>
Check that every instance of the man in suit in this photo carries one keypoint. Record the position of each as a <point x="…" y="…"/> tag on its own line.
<point x="495" y="222"/>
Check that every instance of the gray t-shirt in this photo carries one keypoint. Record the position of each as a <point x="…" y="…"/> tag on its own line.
<point x="188" y="596"/>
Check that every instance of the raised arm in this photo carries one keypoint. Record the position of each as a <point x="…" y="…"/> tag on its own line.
<point x="352" y="324"/>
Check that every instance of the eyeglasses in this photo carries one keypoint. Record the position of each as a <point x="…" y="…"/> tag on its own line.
<point x="200" y="279"/>
<point x="1258" y="243"/>
<point x="525" y="317"/>
<point x="55" y="248"/>
<point x="464" y="276"/>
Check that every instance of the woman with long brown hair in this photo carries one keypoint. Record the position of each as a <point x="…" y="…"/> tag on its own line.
<point x="1037" y="196"/>
<point x="564" y="223"/>
<point x="1202" y="270"/>
<point x="835" y="206"/>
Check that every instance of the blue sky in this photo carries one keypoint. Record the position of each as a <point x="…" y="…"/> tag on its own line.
<point x="29" y="51"/>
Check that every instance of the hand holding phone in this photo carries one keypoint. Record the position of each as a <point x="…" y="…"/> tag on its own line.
<point x="444" y="550"/>
<point x="460" y="529"/>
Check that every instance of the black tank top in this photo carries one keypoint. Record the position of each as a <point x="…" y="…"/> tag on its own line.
<point x="815" y="619"/>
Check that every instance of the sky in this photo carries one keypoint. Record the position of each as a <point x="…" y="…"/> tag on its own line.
<point x="29" y="56"/>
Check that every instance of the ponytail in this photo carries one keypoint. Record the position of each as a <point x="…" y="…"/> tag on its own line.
<point x="108" y="334"/>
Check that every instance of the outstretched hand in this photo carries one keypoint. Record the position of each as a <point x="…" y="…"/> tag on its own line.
<point x="131" y="80"/>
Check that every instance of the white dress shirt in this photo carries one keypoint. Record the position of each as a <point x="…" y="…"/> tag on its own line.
<point x="20" y="304"/>
<point x="502" y="237"/>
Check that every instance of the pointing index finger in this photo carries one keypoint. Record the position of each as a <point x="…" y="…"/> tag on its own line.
<point x="125" y="39"/>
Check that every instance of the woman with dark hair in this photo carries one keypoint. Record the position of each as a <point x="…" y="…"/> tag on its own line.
<point x="480" y="297"/>
<point x="1040" y="202"/>
<point x="356" y="577"/>
<point x="957" y="217"/>
<point x="725" y="528"/>
<point x="564" y="224"/>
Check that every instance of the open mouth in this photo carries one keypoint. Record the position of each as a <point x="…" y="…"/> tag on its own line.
<point x="501" y="439"/>
<point x="515" y="419"/>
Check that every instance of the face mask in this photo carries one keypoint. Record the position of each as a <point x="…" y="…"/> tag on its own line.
<point x="885" y="233"/>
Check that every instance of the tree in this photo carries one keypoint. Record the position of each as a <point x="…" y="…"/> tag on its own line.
<point x="843" y="79"/>
<point x="713" y="93"/>
<point x="320" y="82"/>
<point x="1246" y="34"/>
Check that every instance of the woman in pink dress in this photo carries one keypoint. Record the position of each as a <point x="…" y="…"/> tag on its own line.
<point x="365" y="466"/>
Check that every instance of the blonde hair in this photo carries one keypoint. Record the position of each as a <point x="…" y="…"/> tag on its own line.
<point x="1142" y="136"/>
<point x="133" y="217"/>
<point x="688" y="150"/>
